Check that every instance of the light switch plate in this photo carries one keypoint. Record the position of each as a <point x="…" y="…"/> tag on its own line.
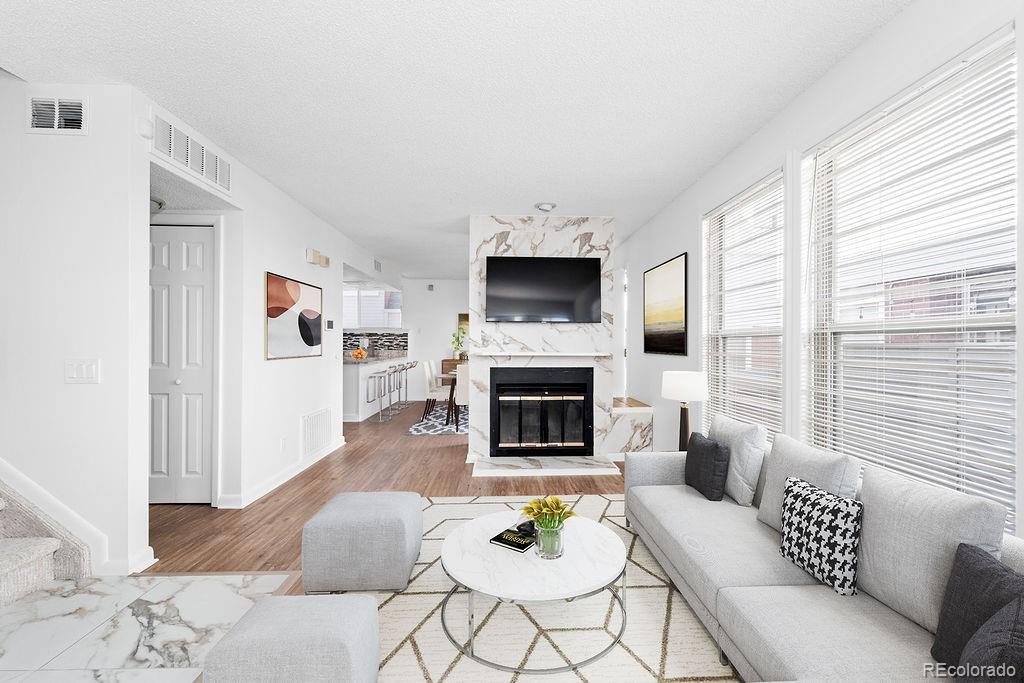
<point x="82" y="371"/>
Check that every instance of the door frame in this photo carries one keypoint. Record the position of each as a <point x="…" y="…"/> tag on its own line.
<point x="215" y="222"/>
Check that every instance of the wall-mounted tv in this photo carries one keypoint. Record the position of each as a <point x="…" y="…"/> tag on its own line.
<point x="542" y="289"/>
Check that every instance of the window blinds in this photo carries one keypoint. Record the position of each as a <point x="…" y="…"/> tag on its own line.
<point x="743" y="271"/>
<point x="910" y="282"/>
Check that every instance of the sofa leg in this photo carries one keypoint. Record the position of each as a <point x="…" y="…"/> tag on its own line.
<point x="722" y="659"/>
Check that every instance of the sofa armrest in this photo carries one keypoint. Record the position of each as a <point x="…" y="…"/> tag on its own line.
<point x="654" y="469"/>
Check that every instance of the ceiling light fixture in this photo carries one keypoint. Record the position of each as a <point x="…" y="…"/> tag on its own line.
<point x="546" y="207"/>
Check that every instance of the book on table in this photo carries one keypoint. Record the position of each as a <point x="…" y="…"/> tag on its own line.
<point x="514" y="538"/>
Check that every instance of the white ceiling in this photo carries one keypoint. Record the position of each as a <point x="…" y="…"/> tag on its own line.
<point x="395" y="120"/>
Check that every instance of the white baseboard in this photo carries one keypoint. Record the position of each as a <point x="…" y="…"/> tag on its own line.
<point x="231" y="501"/>
<point x="133" y="563"/>
<point x="271" y="483"/>
<point x="98" y="542"/>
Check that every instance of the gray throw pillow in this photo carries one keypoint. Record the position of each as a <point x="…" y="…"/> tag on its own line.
<point x="707" y="462"/>
<point x="790" y="458"/>
<point x="909" y="537"/>
<point x="747" y="444"/>
<point x="998" y="644"/>
<point x="978" y="587"/>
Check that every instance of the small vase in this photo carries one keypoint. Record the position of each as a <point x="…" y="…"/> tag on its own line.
<point x="549" y="542"/>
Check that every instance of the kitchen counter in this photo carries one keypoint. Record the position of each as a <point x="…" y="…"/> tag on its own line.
<point x="371" y="360"/>
<point x="355" y="378"/>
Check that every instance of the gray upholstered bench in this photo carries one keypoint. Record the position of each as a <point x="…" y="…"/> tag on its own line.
<point x="362" y="541"/>
<point x="300" y="638"/>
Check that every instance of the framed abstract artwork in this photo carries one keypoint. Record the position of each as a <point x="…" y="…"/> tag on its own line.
<point x="294" y="318"/>
<point x="665" y="307"/>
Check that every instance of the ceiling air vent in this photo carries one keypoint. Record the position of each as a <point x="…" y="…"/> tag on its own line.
<point x="56" y="115"/>
<point x="172" y="142"/>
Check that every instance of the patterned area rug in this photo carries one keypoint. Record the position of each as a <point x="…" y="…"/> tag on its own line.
<point x="434" y="423"/>
<point x="664" y="640"/>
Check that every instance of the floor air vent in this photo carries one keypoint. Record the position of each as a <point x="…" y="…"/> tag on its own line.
<point x="190" y="154"/>
<point x="56" y="115"/>
<point x="316" y="432"/>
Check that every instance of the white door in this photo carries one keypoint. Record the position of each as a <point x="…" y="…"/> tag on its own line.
<point x="181" y="283"/>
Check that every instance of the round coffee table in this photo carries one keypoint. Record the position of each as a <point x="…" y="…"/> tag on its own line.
<point x="594" y="561"/>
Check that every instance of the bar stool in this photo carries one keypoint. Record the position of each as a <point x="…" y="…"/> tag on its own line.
<point x="404" y="380"/>
<point x="376" y="388"/>
<point x="393" y="381"/>
<point x="400" y="383"/>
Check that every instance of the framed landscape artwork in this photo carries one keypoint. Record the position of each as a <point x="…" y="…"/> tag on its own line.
<point x="294" y="321"/>
<point x="665" y="307"/>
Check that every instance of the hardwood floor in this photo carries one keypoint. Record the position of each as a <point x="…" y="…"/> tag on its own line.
<point x="266" y="535"/>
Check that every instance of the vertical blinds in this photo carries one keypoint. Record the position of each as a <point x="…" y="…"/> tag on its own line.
<point x="910" y="283"/>
<point x="743" y="271"/>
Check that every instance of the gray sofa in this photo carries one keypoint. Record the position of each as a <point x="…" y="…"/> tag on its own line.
<point x="776" y="622"/>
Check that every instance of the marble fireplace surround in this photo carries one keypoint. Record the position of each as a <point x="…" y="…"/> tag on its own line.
<point x="537" y="345"/>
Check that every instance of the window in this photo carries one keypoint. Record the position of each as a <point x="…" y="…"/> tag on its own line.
<point x="371" y="308"/>
<point x="743" y="271"/>
<point x="910" y="282"/>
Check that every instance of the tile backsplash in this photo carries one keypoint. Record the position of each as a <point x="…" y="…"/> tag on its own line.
<point x="379" y="341"/>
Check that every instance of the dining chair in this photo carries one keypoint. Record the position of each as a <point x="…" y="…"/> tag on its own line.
<point x="435" y="391"/>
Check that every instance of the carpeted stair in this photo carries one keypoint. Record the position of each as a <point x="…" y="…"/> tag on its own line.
<point x="26" y="564"/>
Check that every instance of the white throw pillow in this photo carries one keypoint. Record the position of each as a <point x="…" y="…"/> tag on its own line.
<point x="747" y="444"/>
<point x="790" y="458"/>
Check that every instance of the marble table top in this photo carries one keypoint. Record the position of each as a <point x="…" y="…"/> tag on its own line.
<point x="593" y="558"/>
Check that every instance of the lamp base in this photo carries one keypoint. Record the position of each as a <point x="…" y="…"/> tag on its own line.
<point x="684" y="425"/>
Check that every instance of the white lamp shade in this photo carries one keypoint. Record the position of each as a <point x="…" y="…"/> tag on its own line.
<point x="684" y="386"/>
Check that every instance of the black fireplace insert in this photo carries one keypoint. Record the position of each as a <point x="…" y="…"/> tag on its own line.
<point x="542" y="411"/>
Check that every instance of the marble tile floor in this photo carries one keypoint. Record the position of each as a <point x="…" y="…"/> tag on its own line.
<point x="134" y="628"/>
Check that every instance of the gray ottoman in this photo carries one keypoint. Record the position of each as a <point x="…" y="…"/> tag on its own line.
<point x="362" y="541"/>
<point x="300" y="638"/>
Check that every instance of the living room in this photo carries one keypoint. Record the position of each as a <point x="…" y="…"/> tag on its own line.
<point x="707" y="309"/>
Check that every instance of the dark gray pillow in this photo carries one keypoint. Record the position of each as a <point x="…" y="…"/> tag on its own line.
<point x="979" y="586"/>
<point x="996" y="651"/>
<point x="707" y="466"/>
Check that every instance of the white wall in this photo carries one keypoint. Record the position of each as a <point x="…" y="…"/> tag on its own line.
<point x="921" y="39"/>
<point x="73" y="265"/>
<point x="431" y="318"/>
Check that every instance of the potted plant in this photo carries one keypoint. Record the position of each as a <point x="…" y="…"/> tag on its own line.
<point x="458" y="341"/>
<point x="548" y="515"/>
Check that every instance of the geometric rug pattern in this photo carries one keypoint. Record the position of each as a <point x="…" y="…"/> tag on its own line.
<point x="663" y="641"/>
<point x="433" y="423"/>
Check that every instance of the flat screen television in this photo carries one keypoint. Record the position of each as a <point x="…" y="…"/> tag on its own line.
<point x="541" y="289"/>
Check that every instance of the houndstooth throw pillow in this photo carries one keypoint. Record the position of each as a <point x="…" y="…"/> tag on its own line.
<point x="820" y="534"/>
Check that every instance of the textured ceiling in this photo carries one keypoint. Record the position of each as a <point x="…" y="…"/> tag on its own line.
<point x="395" y="120"/>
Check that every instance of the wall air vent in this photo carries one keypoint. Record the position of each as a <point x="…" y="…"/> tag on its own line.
<point x="56" y="115"/>
<point x="187" y="152"/>
<point x="377" y="266"/>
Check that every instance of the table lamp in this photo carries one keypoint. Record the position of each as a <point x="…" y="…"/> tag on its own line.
<point x="684" y="386"/>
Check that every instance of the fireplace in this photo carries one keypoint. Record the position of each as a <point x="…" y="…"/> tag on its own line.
<point x="542" y="411"/>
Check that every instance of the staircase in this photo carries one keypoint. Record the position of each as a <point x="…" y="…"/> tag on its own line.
<point x="34" y="550"/>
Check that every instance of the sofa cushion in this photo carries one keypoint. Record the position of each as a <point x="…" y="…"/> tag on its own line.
<point x="909" y="538"/>
<point x="998" y="644"/>
<point x="707" y="463"/>
<point x="747" y="444"/>
<point x="810" y="632"/>
<point x="820" y="533"/>
<point x="979" y="586"/>
<point x="790" y="458"/>
<point x="712" y="545"/>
